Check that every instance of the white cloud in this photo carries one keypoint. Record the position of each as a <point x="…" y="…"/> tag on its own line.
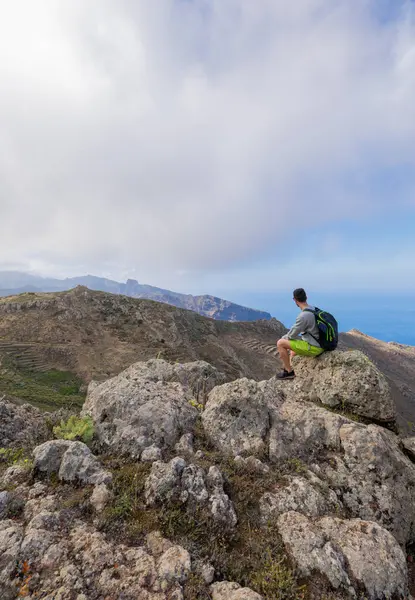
<point x="192" y="135"/>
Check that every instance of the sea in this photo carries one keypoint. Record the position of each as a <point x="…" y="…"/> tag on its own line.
<point x="387" y="317"/>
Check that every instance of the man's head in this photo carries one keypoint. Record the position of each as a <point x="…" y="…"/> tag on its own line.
<point x="300" y="297"/>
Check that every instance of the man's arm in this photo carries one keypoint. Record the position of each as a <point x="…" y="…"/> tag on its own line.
<point x="296" y="329"/>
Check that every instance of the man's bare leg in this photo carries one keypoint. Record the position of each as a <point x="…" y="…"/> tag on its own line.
<point x="284" y="349"/>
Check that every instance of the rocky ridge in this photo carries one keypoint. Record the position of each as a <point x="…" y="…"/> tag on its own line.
<point x="197" y="487"/>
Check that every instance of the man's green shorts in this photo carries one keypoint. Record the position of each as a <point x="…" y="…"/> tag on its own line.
<point x="303" y="348"/>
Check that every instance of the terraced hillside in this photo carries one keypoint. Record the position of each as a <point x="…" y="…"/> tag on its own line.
<point x="94" y="335"/>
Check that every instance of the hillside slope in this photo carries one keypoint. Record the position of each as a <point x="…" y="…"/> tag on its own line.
<point x="14" y="283"/>
<point x="96" y="335"/>
<point x="397" y="362"/>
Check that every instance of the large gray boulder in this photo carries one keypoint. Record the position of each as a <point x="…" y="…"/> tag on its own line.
<point x="149" y="404"/>
<point x="237" y="417"/>
<point x="303" y="430"/>
<point x="362" y="464"/>
<point x="71" y="461"/>
<point x="352" y="554"/>
<point x="344" y="379"/>
<point x="375" y="479"/>
<point x="48" y="456"/>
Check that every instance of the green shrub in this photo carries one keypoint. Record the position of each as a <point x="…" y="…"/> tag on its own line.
<point x="276" y="581"/>
<point x="76" y="428"/>
<point x="15" y="456"/>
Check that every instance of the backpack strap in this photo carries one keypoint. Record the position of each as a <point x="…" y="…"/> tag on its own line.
<point x="314" y="338"/>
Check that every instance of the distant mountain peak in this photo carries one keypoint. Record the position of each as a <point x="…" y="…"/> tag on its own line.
<point x="13" y="283"/>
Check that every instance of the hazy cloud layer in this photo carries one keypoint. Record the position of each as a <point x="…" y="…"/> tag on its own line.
<point x="178" y="136"/>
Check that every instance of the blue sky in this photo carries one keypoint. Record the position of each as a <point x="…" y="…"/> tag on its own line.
<point x="227" y="146"/>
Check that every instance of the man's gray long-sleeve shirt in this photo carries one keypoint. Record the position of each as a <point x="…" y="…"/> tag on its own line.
<point x="305" y="327"/>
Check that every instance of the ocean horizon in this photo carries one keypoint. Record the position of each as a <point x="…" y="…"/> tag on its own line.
<point x="387" y="317"/>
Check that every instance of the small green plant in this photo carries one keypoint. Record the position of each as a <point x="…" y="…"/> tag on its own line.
<point x="196" y="404"/>
<point x="14" y="456"/>
<point x="297" y="465"/>
<point x="276" y="581"/>
<point x="76" y="428"/>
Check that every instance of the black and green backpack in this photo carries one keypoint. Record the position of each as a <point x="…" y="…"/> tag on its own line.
<point x="327" y="328"/>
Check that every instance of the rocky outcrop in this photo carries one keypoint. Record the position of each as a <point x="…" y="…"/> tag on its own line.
<point x="352" y="554"/>
<point x="149" y="404"/>
<point x="70" y="560"/>
<point x="344" y="379"/>
<point x="374" y="478"/>
<point x="174" y="565"/>
<point x="71" y="461"/>
<point x="21" y="426"/>
<point x="185" y="444"/>
<point x="238" y="415"/>
<point x="176" y="482"/>
<point x="363" y="465"/>
<point x="84" y="561"/>
<point x="316" y="466"/>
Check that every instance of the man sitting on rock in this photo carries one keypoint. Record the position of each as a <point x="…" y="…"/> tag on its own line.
<point x="304" y="326"/>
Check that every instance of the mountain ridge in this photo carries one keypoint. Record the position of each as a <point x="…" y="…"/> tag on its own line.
<point x="16" y="282"/>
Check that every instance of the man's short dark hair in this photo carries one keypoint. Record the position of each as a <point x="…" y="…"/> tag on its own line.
<point x="300" y="295"/>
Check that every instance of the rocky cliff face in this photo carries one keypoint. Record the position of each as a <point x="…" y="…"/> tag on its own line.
<point x="197" y="487"/>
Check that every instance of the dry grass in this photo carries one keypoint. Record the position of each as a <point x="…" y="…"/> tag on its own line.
<point x="251" y="554"/>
